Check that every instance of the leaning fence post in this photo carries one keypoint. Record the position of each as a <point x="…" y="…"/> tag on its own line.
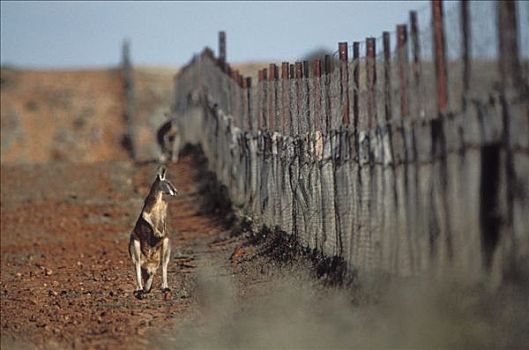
<point x="344" y="82"/>
<point x="387" y="75"/>
<point x="439" y="55"/>
<point x="402" y="57"/>
<point x="371" y="81"/>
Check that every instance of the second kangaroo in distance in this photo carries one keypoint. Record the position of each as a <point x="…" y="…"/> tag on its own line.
<point x="168" y="138"/>
<point x="149" y="244"/>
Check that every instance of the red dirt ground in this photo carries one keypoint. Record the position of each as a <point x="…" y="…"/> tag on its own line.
<point x="62" y="115"/>
<point x="66" y="275"/>
<point x="69" y="198"/>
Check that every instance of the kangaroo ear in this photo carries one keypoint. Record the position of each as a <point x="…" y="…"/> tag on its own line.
<point x="161" y="172"/>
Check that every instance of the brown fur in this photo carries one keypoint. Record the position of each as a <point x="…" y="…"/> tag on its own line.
<point x="168" y="137"/>
<point x="151" y="233"/>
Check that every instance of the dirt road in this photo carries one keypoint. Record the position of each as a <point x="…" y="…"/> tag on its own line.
<point x="67" y="281"/>
<point x="66" y="275"/>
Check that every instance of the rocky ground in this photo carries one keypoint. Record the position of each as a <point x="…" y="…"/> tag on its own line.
<point x="67" y="281"/>
<point x="66" y="275"/>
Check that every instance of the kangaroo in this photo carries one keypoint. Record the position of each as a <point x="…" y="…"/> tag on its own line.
<point x="149" y="244"/>
<point x="168" y="138"/>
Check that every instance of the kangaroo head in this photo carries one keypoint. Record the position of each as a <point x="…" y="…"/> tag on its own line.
<point x="163" y="185"/>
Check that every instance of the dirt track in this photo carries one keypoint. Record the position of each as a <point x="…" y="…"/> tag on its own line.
<point x="66" y="275"/>
<point x="67" y="281"/>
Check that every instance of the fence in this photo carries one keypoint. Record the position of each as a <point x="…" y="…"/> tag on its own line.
<point x="412" y="155"/>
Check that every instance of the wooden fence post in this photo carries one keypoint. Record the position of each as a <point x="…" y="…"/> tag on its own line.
<point x="306" y="75"/>
<point x="222" y="50"/>
<point x="371" y="82"/>
<point x="272" y="97"/>
<point x="402" y="57"/>
<point x="293" y="100"/>
<point x="229" y="73"/>
<point x="299" y="76"/>
<point x="244" y="104"/>
<point x="439" y="53"/>
<point x="509" y="59"/>
<point x="465" y="23"/>
<point x="248" y="92"/>
<point x="260" y="110"/>
<point x="328" y="77"/>
<point x="265" y="92"/>
<point x="344" y="82"/>
<point x="240" y="97"/>
<point x="387" y="76"/>
<point x="316" y="73"/>
<point x="356" y="82"/>
<point x="416" y="65"/>
<point x="285" y="103"/>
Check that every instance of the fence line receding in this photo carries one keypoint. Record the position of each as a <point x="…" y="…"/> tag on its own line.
<point x="405" y="152"/>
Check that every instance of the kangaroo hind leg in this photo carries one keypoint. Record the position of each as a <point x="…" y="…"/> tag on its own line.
<point x="148" y="277"/>
<point x="135" y="253"/>
<point x="166" y="256"/>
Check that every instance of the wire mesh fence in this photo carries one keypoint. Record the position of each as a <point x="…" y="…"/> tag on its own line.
<point x="397" y="153"/>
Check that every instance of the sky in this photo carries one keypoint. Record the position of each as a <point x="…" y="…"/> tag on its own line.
<point x="85" y="34"/>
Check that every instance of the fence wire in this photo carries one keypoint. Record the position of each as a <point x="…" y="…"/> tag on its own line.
<point x="364" y="161"/>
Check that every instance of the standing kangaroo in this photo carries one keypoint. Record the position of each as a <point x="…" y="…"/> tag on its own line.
<point x="149" y="245"/>
<point x="168" y="138"/>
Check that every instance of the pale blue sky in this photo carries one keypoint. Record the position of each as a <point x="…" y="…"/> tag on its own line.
<point x="78" y="34"/>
